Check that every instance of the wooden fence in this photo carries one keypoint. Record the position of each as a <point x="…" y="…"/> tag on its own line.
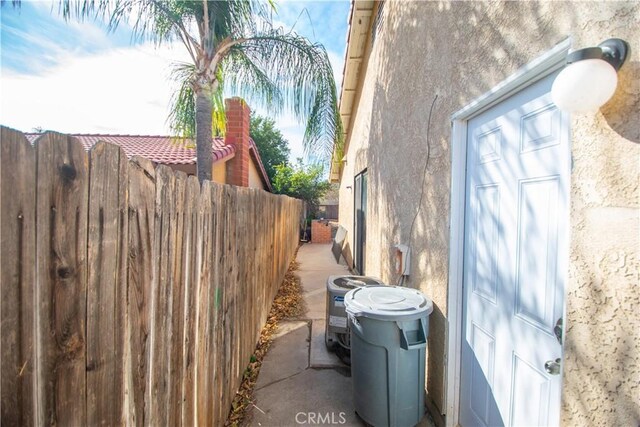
<point x="130" y="295"/>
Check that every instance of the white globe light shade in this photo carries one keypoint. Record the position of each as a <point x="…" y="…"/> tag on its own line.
<point x="584" y="86"/>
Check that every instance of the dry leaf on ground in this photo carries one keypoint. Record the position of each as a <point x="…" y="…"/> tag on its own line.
<point x="288" y="303"/>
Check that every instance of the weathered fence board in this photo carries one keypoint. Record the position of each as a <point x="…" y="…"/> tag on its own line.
<point x="131" y="295"/>
<point x="178" y="302"/>
<point x="208" y="212"/>
<point x="61" y="279"/>
<point x="106" y="284"/>
<point x="157" y="396"/>
<point x="204" y="345"/>
<point x="17" y="277"/>
<point x="142" y="186"/>
<point x="190" y="299"/>
<point x="218" y="197"/>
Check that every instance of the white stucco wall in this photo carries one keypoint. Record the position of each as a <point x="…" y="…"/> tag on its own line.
<point x="458" y="51"/>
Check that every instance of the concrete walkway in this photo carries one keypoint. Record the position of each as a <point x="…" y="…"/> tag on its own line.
<point x="300" y="382"/>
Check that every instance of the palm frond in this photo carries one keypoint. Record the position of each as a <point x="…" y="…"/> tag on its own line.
<point x="246" y="79"/>
<point x="155" y="20"/>
<point x="222" y="20"/>
<point x="235" y="40"/>
<point x="85" y="9"/>
<point x="14" y="3"/>
<point x="219" y="118"/>
<point x="303" y="73"/>
<point x="182" y="116"/>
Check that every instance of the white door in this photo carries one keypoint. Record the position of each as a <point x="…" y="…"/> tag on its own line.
<point x="515" y="260"/>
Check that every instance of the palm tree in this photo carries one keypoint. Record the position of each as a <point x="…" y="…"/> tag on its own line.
<point x="231" y="44"/>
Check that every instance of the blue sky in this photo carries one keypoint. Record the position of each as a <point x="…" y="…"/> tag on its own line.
<point x="76" y="77"/>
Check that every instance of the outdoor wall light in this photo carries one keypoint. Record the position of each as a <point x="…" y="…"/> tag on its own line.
<point x="590" y="77"/>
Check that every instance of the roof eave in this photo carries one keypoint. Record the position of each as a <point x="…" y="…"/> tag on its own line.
<point x="360" y="19"/>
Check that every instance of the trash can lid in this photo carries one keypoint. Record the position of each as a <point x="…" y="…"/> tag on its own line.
<point x="351" y="281"/>
<point x="387" y="303"/>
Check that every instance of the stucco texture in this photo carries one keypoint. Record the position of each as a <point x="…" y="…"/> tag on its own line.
<point x="255" y="181"/>
<point x="458" y="51"/>
<point x="219" y="172"/>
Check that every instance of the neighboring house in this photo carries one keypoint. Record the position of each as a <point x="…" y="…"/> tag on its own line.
<point x="527" y="214"/>
<point x="235" y="157"/>
<point x="328" y="206"/>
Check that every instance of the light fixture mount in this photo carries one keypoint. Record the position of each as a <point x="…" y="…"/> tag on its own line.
<point x="590" y="77"/>
<point x="613" y="51"/>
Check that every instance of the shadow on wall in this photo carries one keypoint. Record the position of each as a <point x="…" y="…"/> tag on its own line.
<point x="628" y="410"/>
<point x="346" y="253"/>
<point x="486" y="43"/>
<point x="607" y="326"/>
<point x="399" y="149"/>
<point x="628" y="105"/>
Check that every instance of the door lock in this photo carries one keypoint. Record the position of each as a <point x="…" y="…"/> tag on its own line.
<point x="553" y="366"/>
<point x="557" y="330"/>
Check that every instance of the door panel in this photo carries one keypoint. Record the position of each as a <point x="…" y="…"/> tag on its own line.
<point x="484" y="345"/>
<point x="487" y="239"/>
<point x="530" y="394"/>
<point x="537" y="258"/>
<point x="516" y="210"/>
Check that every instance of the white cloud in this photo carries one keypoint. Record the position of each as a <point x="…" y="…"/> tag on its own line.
<point x="118" y="91"/>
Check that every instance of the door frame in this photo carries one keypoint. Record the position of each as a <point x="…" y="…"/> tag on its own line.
<point x="539" y="68"/>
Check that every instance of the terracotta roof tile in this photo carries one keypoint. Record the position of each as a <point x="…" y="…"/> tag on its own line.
<point x="159" y="149"/>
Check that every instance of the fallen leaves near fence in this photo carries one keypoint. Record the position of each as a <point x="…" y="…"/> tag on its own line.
<point x="287" y="304"/>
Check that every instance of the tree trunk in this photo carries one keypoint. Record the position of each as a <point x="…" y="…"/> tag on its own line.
<point x="204" y="111"/>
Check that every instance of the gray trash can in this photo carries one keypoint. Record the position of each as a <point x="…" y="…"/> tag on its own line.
<point x="389" y="329"/>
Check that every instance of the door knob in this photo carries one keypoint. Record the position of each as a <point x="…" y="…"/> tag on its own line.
<point x="552" y="366"/>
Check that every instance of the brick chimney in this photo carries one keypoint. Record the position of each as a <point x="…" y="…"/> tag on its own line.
<point x="238" y="114"/>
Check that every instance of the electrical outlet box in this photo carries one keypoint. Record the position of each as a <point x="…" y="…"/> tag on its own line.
<point x="402" y="260"/>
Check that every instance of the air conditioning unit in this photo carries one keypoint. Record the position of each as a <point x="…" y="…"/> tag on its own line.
<point x="337" y="332"/>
